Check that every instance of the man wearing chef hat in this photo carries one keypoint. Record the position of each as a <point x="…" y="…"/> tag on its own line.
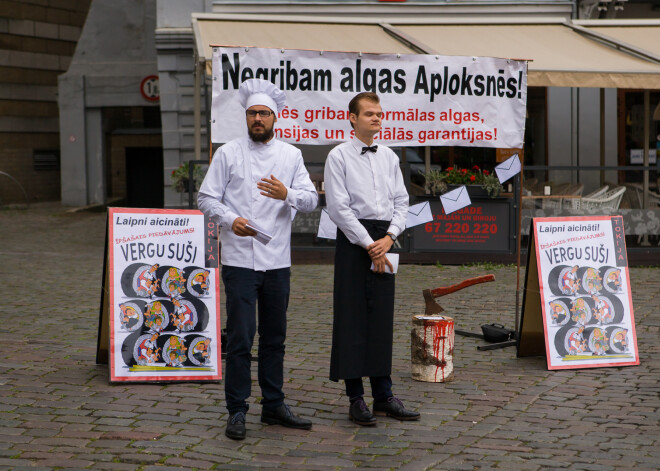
<point x="256" y="179"/>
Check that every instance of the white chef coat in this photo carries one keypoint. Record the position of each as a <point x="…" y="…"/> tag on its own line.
<point x="230" y="190"/>
<point x="364" y="186"/>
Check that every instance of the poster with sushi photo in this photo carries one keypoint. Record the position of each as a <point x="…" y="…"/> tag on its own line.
<point x="163" y="303"/>
<point x="584" y="288"/>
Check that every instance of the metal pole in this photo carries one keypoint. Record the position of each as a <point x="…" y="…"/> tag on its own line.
<point x="198" y="110"/>
<point x="575" y="129"/>
<point x="518" y="186"/>
<point x="602" y="135"/>
<point x="647" y="118"/>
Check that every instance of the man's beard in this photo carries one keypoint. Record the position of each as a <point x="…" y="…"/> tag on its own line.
<point x="262" y="136"/>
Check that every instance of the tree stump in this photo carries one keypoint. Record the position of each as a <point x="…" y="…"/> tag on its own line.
<point x="432" y="348"/>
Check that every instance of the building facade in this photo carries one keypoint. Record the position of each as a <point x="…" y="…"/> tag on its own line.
<point x="133" y="102"/>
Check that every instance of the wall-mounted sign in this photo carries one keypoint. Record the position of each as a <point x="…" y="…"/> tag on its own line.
<point x="484" y="226"/>
<point x="149" y="88"/>
<point x="577" y="306"/>
<point x="160" y="307"/>
<point x="637" y="157"/>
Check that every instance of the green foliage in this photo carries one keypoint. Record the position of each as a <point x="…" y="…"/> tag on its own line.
<point x="436" y="181"/>
<point x="181" y="175"/>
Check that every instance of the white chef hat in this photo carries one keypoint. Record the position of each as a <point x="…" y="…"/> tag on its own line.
<point x="261" y="92"/>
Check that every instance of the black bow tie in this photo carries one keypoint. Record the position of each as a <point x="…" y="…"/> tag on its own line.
<point x="369" y="149"/>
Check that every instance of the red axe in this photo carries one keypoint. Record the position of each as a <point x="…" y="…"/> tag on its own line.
<point x="430" y="294"/>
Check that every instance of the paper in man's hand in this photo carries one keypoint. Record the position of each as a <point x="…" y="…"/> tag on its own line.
<point x="262" y="236"/>
<point x="394" y="260"/>
<point x="509" y="168"/>
<point x="419" y="214"/>
<point x="327" y="228"/>
<point x="455" y="199"/>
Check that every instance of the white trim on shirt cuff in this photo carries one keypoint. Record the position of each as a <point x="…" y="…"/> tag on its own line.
<point x="290" y="197"/>
<point x="366" y="242"/>
<point x="228" y="220"/>
<point x="394" y="230"/>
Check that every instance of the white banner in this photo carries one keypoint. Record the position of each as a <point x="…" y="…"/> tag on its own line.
<point x="426" y="99"/>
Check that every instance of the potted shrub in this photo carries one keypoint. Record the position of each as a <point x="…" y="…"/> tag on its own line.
<point x="181" y="177"/>
<point x="438" y="182"/>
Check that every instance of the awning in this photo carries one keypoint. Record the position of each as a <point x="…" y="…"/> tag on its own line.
<point x="283" y="32"/>
<point x="642" y="35"/>
<point x="560" y="55"/>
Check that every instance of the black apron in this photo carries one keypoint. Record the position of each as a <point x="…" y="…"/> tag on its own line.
<point x="363" y="316"/>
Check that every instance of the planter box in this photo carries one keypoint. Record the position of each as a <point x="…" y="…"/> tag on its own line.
<point x="475" y="191"/>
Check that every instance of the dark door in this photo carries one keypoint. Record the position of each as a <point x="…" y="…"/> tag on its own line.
<point x="144" y="177"/>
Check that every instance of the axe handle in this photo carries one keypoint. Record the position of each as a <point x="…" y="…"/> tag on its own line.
<point x="463" y="284"/>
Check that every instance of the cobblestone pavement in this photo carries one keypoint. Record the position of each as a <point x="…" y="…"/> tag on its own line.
<point x="57" y="409"/>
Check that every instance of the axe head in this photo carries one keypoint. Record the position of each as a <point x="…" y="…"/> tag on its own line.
<point x="431" y="306"/>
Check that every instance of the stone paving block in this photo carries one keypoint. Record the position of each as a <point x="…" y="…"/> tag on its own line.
<point x="205" y="457"/>
<point x="179" y="439"/>
<point x="245" y="466"/>
<point x="14" y="439"/>
<point x="221" y="449"/>
<point x="178" y="462"/>
<point x="40" y="433"/>
<point x="27" y="468"/>
<point x="15" y="462"/>
<point x="138" y="458"/>
<point x="274" y="457"/>
<point x="329" y="462"/>
<point x="111" y="466"/>
<point x="114" y="422"/>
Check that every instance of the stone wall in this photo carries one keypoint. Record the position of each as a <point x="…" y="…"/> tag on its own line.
<point x="37" y="40"/>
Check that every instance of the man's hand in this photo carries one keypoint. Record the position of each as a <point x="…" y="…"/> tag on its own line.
<point x="380" y="247"/>
<point x="272" y="188"/>
<point x="380" y="263"/>
<point x="238" y="226"/>
<point x="377" y="252"/>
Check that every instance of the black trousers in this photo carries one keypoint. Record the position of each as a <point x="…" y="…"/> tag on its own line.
<point x="381" y="388"/>
<point x="244" y="289"/>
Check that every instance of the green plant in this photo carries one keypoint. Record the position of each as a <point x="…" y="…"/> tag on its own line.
<point x="181" y="177"/>
<point x="436" y="181"/>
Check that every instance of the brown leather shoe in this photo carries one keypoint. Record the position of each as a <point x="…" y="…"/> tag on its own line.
<point x="393" y="407"/>
<point x="360" y="413"/>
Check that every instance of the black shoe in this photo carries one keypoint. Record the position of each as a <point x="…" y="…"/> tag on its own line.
<point x="393" y="407"/>
<point x="282" y="415"/>
<point x="236" y="426"/>
<point x="360" y="413"/>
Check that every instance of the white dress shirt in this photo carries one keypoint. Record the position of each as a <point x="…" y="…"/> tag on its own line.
<point x="364" y="186"/>
<point x="230" y="190"/>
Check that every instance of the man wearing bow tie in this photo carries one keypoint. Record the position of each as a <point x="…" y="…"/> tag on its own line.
<point x="368" y="202"/>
